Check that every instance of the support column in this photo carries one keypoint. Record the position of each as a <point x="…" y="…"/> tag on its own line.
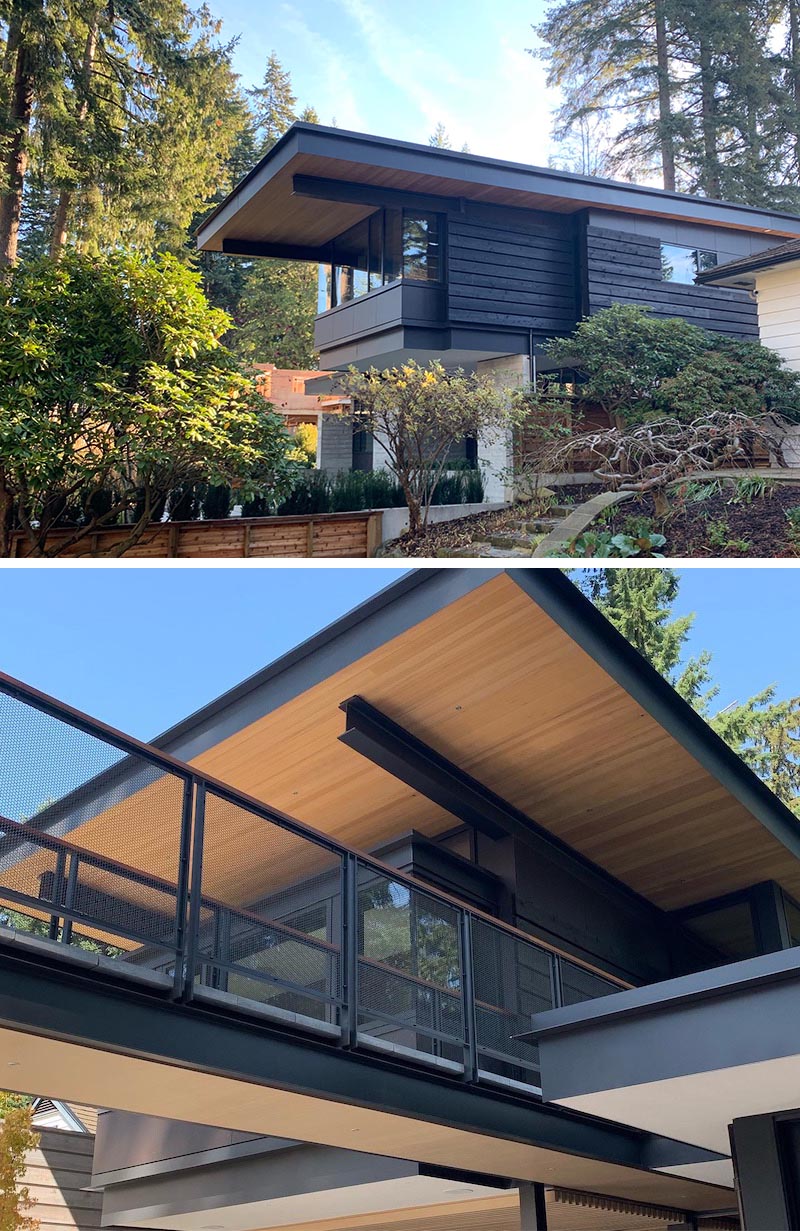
<point x="496" y="455"/>
<point x="763" y="1184"/>
<point x="532" y="1208"/>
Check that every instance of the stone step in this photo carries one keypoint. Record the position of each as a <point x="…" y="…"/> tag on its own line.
<point x="512" y="539"/>
<point x="537" y="525"/>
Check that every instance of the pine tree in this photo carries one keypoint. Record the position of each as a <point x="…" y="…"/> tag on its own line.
<point x="763" y="731"/>
<point x="610" y="59"/>
<point x="439" y="138"/>
<point x="274" y="104"/>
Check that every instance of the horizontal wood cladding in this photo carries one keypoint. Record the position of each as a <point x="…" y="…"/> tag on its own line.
<point x="351" y="535"/>
<point x="512" y="268"/>
<point x="57" y="1174"/>
<point x="625" y="268"/>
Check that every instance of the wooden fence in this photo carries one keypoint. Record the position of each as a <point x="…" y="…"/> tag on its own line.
<point x="332" y="535"/>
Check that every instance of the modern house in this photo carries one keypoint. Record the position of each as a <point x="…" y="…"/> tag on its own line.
<point x="427" y="253"/>
<point x="455" y="917"/>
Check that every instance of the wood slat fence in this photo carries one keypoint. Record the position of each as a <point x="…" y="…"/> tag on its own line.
<point x="318" y="535"/>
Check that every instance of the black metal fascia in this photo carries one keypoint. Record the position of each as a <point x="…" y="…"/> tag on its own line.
<point x="93" y="1011"/>
<point x="560" y="599"/>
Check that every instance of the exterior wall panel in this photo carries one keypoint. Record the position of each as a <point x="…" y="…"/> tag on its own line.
<point x="57" y="1173"/>
<point x="626" y="268"/>
<point x="513" y="268"/>
<point x="779" y="311"/>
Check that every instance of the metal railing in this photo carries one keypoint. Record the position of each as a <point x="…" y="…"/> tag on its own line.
<point x="117" y="855"/>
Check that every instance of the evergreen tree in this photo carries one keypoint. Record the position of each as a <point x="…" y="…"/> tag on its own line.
<point x="274" y="104"/>
<point x="610" y="59"/>
<point x="698" y="90"/>
<point x="439" y="138"/>
<point x="763" y="731"/>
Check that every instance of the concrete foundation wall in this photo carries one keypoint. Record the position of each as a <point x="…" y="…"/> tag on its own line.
<point x="495" y="452"/>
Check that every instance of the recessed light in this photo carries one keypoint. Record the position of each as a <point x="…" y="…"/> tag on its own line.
<point x="13" y="1064"/>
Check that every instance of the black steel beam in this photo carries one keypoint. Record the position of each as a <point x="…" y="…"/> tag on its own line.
<point x="322" y="189"/>
<point x="389" y="745"/>
<point x="286" y="252"/>
<point x="92" y="1010"/>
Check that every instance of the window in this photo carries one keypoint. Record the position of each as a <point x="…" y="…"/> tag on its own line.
<point x="421" y="249"/>
<point x="389" y="245"/>
<point x="679" y="264"/>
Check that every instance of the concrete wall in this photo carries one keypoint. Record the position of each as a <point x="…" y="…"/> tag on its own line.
<point x="779" y="311"/>
<point x="495" y="453"/>
<point x="395" y="521"/>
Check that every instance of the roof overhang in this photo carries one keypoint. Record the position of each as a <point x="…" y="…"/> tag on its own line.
<point x="316" y="181"/>
<point x="689" y="1055"/>
<point x="513" y="676"/>
<point x="744" y="275"/>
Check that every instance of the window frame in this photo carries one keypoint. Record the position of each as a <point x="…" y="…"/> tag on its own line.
<point x="696" y="252"/>
<point x="329" y="280"/>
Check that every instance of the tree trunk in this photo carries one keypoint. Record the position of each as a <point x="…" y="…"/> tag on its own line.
<point x="6" y="505"/>
<point x="61" y="219"/>
<point x="708" y="116"/>
<point x="794" y="54"/>
<point x="15" y="163"/>
<point x="666" y="134"/>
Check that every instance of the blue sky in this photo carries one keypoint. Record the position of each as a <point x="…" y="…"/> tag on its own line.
<point x="398" y="69"/>
<point x="142" y="648"/>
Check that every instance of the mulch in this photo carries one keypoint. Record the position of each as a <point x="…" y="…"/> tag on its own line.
<point x="755" y="530"/>
<point x="450" y="536"/>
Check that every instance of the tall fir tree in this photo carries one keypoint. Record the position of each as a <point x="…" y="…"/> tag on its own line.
<point x="274" y="105"/>
<point x="763" y="730"/>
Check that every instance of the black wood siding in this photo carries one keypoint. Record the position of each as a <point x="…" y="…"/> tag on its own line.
<point x="510" y="268"/>
<point x="620" y="267"/>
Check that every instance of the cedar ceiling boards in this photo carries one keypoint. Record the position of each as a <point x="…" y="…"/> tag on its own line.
<point x="500" y="1214"/>
<point x="493" y="683"/>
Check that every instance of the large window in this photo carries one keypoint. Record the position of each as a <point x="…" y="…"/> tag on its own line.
<point x="679" y="264"/>
<point x="388" y="245"/>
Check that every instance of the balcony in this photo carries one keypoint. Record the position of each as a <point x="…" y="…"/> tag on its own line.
<point x="116" y="858"/>
<point x="378" y="326"/>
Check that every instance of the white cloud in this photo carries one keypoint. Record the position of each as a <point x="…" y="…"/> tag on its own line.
<point x="332" y="93"/>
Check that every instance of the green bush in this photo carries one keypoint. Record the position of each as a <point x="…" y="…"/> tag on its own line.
<point x="351" y="490"/>
<point x="638" y="366"/>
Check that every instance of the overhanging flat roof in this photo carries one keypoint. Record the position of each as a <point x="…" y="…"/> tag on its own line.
<point x="516" y="678"/>
<point x="270" y="214"/>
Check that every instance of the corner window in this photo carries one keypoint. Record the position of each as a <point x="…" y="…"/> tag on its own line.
<point x="679" y="264"/>
<point x="389" y="245"/>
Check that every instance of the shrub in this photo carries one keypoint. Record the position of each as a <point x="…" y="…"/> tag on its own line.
<point x="636" y="365"/>
<point x="113" y="381"/>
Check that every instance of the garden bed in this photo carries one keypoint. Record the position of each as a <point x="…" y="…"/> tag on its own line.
<point x="721" y="525"/>
<point x="452" y="537"/>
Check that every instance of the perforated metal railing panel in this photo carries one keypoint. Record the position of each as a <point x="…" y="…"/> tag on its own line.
<point x="271" y="915"/>
<point x="410" y="967"/>
<point x="512" y="979"/>
<point x="578" y="984"/>
<point x="89" y="838"/>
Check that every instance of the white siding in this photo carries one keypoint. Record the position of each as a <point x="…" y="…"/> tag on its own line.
<point x="779" y="310"/>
